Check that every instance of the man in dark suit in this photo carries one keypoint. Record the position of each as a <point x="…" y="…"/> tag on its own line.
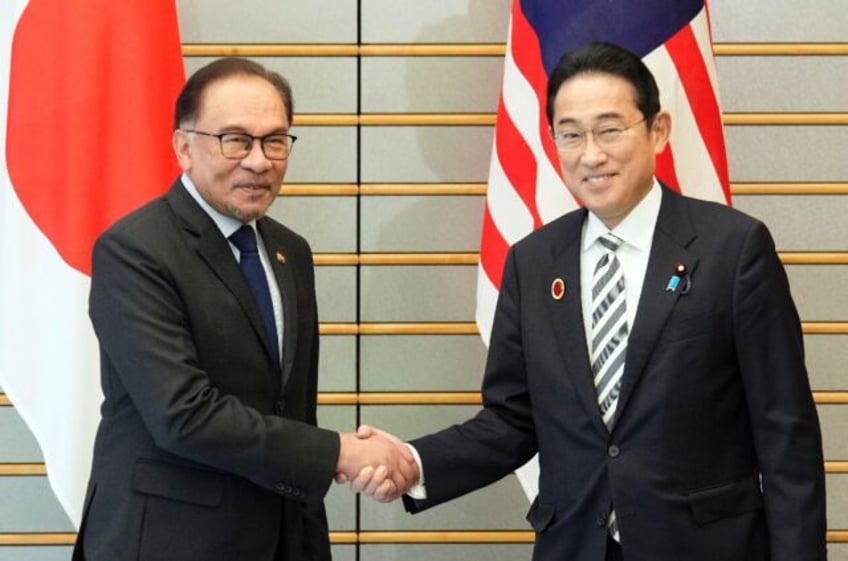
<point x="208" y="447"/>
<point x="648" y="348"/>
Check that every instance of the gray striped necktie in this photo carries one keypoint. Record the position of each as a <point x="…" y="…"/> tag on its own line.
<point x="609" y="335"/>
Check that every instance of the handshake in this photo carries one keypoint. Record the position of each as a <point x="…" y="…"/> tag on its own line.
<point x="376" y="464"/>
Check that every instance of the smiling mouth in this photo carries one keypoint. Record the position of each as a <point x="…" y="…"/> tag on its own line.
<point x="598" y="179"/>
<point x="253" y="187"/>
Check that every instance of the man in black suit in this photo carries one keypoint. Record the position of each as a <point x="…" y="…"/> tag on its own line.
<point x="208" y="447"/>
<point x="648" y="348"/>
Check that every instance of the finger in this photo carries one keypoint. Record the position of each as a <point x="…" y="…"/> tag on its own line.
<point x="380" y="476"/>
<point x="387" y="492"/>
<point x="341" y="478"/>
<point x="362" y="479"/>
<point x="365" y="431"/>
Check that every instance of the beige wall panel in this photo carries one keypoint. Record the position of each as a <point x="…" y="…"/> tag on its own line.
<point x="336" y="292"/>
<point x="435" y="21"/>
<point x="430" y="84"/>
<point x="323" y="155"/>
<point x="339" y="502"/>
<point x="421" y="223"/>
<point x="782" y="83"/>
<point x="827" y="357"/>
<point x="809" y="283"/>
<point x="787" y="153"/>
<point x="17" y="444"/>
<point x="426" y="154"/>
<point x="837" y="506"/>
<point x="834" y="423"/>
<point x="437" y="293"/>
<point x="464" y="552"/>
<point x="780" y="21"/>
<point x="30" y="506"/>
<point x="500" y="506"/>
<point x="337" y="363"/>
<point x="343" y="552"/>
<point x="327" y="223"/>
<point x="319" y="84"/>
<point x="837" y="552"/>
<point x="268" y="21"/>
<point x="801" y="222"/>
<point x="30" y="553"/>
<point x="426" y="363"/>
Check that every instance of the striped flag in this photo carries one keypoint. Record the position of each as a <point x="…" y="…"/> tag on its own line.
<point x="87" y="89"/>
<point x="525" y="189"/>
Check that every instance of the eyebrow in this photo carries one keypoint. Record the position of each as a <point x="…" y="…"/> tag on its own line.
<point x="601" y="117"/>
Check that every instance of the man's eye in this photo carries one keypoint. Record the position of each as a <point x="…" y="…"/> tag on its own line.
<point x="275" y="141"/>
<point x="610" y="132"/>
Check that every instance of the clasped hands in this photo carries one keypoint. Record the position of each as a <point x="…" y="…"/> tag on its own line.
<point x="376" y="464"/>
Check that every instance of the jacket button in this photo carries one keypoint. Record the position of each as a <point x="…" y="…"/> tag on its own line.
<point x="601" y="521"/>
<point x="613" y="451"/>
<point x="280" y="406"/>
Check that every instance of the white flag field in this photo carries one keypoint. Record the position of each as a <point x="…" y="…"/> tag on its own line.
<point x="86" y="103"/>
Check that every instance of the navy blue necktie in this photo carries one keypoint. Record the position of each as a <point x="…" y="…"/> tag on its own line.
<point x="251" y="267"/>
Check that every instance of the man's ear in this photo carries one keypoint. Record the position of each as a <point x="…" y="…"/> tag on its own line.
<point x="181" y="144"/>
<point x="661" y="131"/>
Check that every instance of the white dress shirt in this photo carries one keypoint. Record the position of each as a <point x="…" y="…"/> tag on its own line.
<point x="228" y="225"/>
<point x="636" y="232"/>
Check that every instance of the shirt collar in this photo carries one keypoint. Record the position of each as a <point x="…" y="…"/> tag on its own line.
<point x="637" y="228"/>
<point x="226" y="224"/>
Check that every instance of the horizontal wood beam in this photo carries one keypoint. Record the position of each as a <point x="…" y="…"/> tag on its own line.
<point x="428" y="259"/>
<point x="479" y="189"/>
<point x="471" y="50"/>
<point x="488" y="119"/>
<point x="344" y="538"/>
<point x="470" y="328"/>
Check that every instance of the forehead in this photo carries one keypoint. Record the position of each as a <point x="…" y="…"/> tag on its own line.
<point x="594" y="96"/>
<point x="235" y="98"/>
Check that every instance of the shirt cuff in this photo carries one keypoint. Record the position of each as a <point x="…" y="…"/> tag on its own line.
<point x="419" y="490"/>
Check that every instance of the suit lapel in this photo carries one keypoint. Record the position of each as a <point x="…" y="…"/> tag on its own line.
<point x="278" y="257"/>
<point x="672" y="235"/>
<point x="214" y="249"/>
<point x="566" y="315"/>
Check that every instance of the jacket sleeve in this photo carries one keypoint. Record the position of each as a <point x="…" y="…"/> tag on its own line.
<point x="501" y="437"/>
<point x="784" y="422"/>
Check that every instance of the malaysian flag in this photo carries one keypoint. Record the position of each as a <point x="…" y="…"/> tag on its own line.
<point x="525" y="188"/>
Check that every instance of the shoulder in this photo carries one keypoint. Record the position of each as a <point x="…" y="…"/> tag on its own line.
<point x="152" y="219"/>
<point x="557" y="233"/>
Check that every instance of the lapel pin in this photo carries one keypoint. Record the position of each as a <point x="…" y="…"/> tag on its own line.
<point x="679" y="271"/>
<point x="558" y="289"/>
<point x="281" y="258"/>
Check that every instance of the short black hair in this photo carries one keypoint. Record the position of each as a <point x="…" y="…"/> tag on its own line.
<point x="188" y="102"/>
<point x="606" y="58"/>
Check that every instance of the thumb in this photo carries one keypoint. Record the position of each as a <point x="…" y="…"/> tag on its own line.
<point x="365" y="431"/>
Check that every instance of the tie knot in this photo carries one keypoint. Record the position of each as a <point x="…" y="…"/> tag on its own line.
<point x="244" y="239"/>
<point x="610" y="242"/>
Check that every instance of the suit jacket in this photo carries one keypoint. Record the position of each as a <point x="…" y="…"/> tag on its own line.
<point x="715" y="452"/>
<point x="207" y="448"/>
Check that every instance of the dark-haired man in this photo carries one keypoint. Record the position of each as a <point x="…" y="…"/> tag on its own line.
<point x="648" y="348"/>
<point x="206" y="317"/>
